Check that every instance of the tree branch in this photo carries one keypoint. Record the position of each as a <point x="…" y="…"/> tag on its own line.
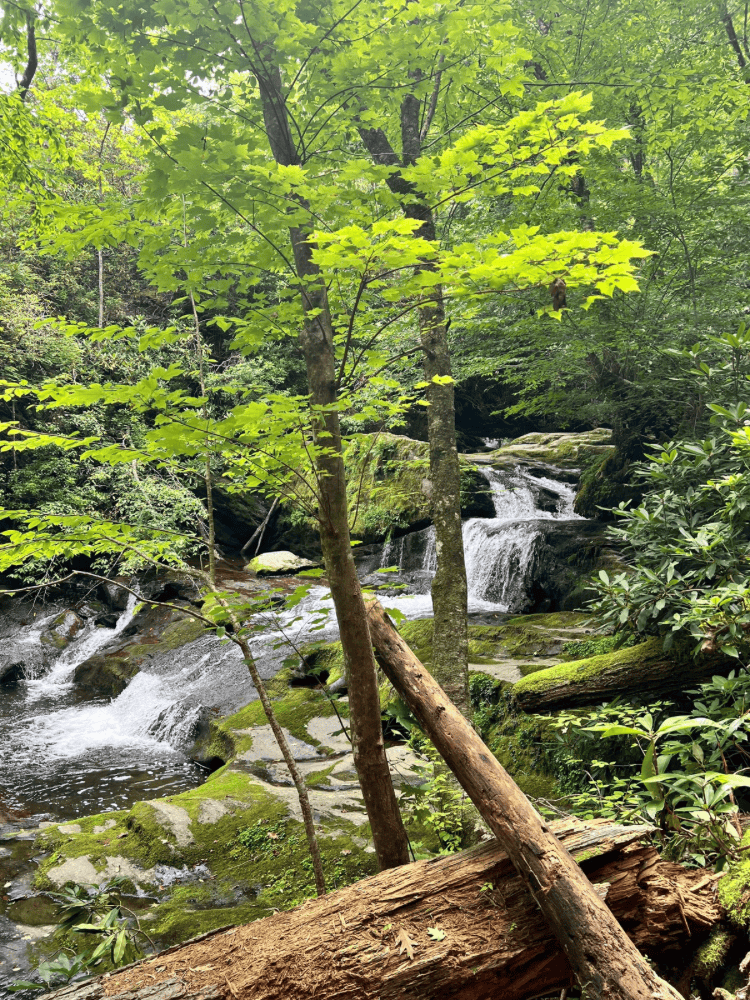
<point x="31" y="65"/>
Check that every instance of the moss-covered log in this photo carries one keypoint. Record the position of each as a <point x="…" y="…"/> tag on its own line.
<point x="462" y="926"/>
<point x="642" y="669"/>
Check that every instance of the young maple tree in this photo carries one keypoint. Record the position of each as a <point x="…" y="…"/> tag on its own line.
<point x="252" y="139"/>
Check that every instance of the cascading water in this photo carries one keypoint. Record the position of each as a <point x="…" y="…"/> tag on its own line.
<point x="66" y="753"/>
<point x="497" y="550"/>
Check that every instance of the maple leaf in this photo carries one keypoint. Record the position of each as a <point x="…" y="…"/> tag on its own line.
<point x="435" y="933"/>
<point x="406" y="944"/>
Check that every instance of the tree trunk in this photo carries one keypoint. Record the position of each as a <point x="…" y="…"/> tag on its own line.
<point x="449" y="589"/>
<point x="316" y="340"/>
<point x="355" y="942"/>
<point x="644" y="669"/>
<point x="604" y="960"/>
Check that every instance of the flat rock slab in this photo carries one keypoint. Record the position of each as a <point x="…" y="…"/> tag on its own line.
<point x="265" y="747"/>
<point x="328" y="732"/>
<point x="212" y="810"/>
<point x="175" y="819"/>
<point x="82" y="872"/>
<point x="507" y="670"/>
<point x="78" y="870"/>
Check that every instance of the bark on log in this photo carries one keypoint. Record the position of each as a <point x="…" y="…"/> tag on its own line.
<point x="354" y="942"/>
<point x="643" y="669"/>
<point x="605" y="961"/>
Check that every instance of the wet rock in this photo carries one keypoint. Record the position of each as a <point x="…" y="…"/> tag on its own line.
<point x="63" y="629"/>
<point x="113" y="595"/>
<point x="92" y="609"/>
<point x="153" y="632"/>
<point x="107" y="619"/>
<point x="564" y="555"/>
<point x="13" y="670"/>
<point x="278" y="564"/>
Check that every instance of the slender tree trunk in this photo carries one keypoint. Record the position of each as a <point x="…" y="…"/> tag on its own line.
<point x="316" y="341"/>
<point x="449" y="588"/>
<point x="606" y="963"/>
<point x="29" y="72"/>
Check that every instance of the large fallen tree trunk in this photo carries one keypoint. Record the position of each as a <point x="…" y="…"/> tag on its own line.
<point x="644" y="668"/>
<point x="462" y="926"/>
<point x="604" y="960"/>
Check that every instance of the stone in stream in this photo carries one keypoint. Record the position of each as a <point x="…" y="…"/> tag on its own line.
<point x="278" y="564"/>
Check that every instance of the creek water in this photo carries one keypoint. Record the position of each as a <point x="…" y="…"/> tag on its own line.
<point x="66" y="754"/>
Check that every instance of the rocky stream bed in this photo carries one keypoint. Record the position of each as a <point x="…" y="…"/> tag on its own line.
<point x="134" y="744"/>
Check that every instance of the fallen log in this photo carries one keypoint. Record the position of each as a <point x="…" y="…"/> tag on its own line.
<point x="461" y="926"/>
<point x="644" y="668"/>
<point x="604" y="960"/>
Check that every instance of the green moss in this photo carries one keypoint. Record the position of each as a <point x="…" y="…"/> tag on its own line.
<point x="520" y="746"/>
<point x="97" y="846"/>
<point x="734" y="888"/>
<point x="711" y="955"/>
<point x="179" y="634"/>
<point x="294" y="711"/>
<point x="584" y="648"/>
<point x="581" y="670"/>
<point x="562" y="450"/>
<point x="175" y="922"/>
<point x="528" y="635"/>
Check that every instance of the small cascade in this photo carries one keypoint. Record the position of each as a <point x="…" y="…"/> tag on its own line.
<point x="498" y="551"/>
<point x="89" y="642"/>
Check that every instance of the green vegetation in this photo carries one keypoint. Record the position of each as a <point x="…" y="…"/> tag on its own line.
<point x="156" y="319"/>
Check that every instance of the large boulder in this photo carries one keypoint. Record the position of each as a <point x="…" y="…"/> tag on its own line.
<point x="550" y="452"/>
<point x="563" y="557"/>
<point x="279" y="564"/>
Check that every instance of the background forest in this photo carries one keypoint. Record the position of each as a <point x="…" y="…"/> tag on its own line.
<point x="244" y="245"/>
<point x="95" y="192"/>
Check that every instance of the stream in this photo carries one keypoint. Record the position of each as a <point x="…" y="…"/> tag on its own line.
<point x="66" y="754"/>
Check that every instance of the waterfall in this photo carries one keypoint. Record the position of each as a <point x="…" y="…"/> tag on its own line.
<point x="89" y="642"/>
<point x="497" y="550"/>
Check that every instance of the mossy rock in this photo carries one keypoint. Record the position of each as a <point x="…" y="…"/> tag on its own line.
<point x="278" y="564"/>
<point x="734" y="887"/>
<point x="388" y="492"/>
<point x="605" y="483"/>
<point x="554" y="450"/>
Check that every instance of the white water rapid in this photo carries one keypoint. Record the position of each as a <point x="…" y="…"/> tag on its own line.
<point x="497" y="550"/>
<point x="67" y="753"/>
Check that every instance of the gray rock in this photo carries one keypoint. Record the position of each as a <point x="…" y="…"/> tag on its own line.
<point x="113" y="595"/>
<point x="278" y="564"/>
<point x="339" y="687"/>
